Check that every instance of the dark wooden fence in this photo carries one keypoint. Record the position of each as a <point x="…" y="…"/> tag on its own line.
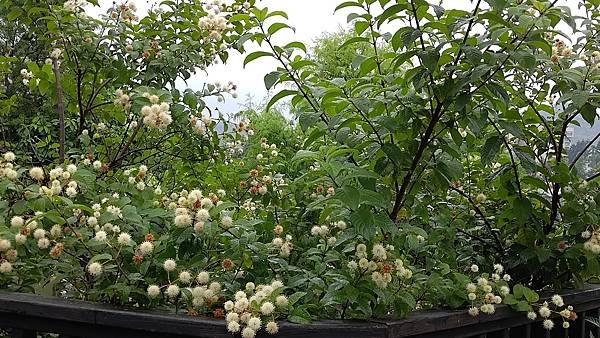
<point x="26" y="315"/>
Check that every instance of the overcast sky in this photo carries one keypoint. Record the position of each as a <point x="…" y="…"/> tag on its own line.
<point x="310" y="18"/>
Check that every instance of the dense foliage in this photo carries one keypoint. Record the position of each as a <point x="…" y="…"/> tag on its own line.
<point x="430" y="169"/>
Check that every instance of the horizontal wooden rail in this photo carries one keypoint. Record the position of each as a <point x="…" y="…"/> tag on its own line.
<point x="26" y="314"/>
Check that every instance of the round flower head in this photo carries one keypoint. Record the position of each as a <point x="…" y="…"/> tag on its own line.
<point x="248" y="332"/>
<point x="5" y="267"/>
<point x="557" y="300"/>
<point x="95" y="268"/>
<point x="267" y="308"/>
<point x="202" y="277"/>
<point x="36" y="173"/>
<point x="281" y="301"/>
<point x="254" y="323"/>
<point x="124" y="238"/>
<point x="185" y="277"/>
<point x="9" y="156"/>
<point x="153" y="291"/>
<point x="272" y="327"/>
<point x="17" y="221"/>
<point x="146" y="248"/>
<point x="173" y="291"/>
<point x="548" y="324"/>
<point x="169" y="265"/>
<point x="233" y="326"/>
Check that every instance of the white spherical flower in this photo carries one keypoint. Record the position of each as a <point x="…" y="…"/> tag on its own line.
<point x="185" y="277"/>
<point x="254" y="323"/>
<point x="17" y="221"/>
<point x="97" y="164"/>
<point x="183" y="220"/>
<point x="95" y="268"/>
<point x="504" y="290"/>
<point x="548" y="324"/>
<point x="506" y="277"/>
<point x="472" y="296"/>
<point x="36" y="173"/>
<point x="558" y="301"/>
<point x="5" y="245"/>
<point x="9" y="156"/>
<point x="498" y="268"/>
<point x="92" y="221"/>
<point x="239" y="295"/>
<point x="248" y="333"/>
<point x="100" y="236"/>
<point x="5" y="267"/>
<point x="379" y="252"/>
<point x="544" y="312"/>
<point x="473" y="311"/>
<point x="202" y="215"/>
<point x="474" y="268"/>
<point x="272" y="327"/>
<point x="173" y="291"/>
<point x="267" y="308"/>
<point x="215" y="287"/>
<point x="39" y="233"/>
<point x="146" y="248"/>
<point x="202" y="277"/>
<point x="206" y="203"/>
<point x="531" y="315"/>
<point x="153" y="291"/>
<point x="226" y="222"/>
<point x="566" y="325"/>
<point x="281" y="301"/>
<point x="20" y="238"/>
<point x="43" y="243"/>
<point x="228" y="306"/>
<point x="169" y="265"/>
<point x="124" y="238"/>
<point x="233" y="327"/>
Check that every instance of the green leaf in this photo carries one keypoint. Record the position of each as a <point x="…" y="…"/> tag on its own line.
<point x="347" y="4"/>
<point x="362" y="219"/>
<point x="271" y="79"/>
<point x="101" y="257"/>
<point x="278" y="26"/>
<point x="255" y="55"/>
<point x="300" y="315"/>
<point x="279" y="96"/>
<point x="490" y="148"/>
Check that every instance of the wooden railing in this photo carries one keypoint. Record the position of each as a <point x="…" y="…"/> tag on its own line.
<point x="27" y="315"/>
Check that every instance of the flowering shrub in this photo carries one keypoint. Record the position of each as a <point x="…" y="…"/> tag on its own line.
<point x="438" y="155"/>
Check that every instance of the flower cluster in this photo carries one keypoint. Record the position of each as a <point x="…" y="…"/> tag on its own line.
<point x="382" y="266"/>
<point x="214" y="24"/>
<point x="60" y="181"/>
<point x="7" y="168"/>
<point x="284" y="244"/>
<point x="556" y="305"/>
<point x="75" y="5"/>
<point x="254" y="306"/>
<point x="122" y="99"/>
<point x="487" y="292"/>
<point x="126" y="12"/>
<point x="592" y="242"/>
<point x="201" y="125"/>
<point x="26" y="76"/>
<point x="559" y="50"/>
<point x="157" y="114"/>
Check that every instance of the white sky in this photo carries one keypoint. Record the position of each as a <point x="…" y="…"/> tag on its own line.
<point x="310" y="18"/>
